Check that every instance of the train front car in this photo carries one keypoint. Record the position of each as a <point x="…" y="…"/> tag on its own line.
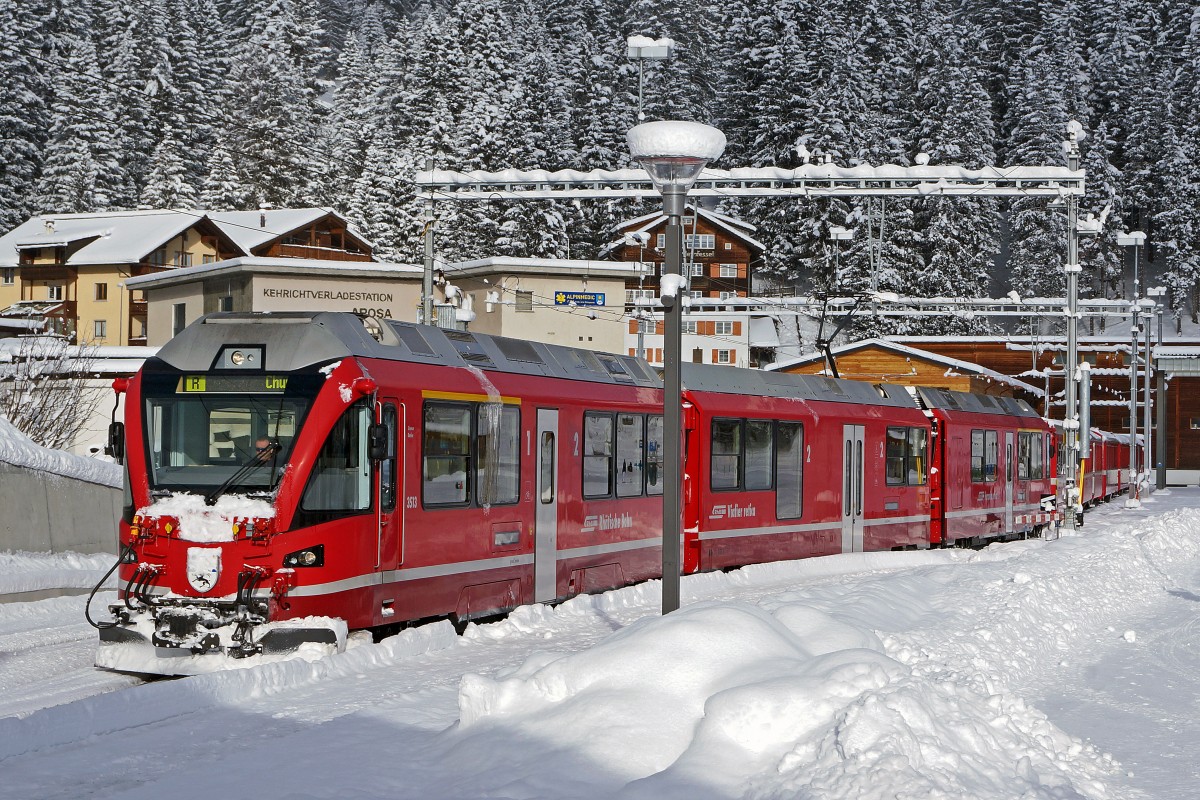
<point x="247" y="451"/>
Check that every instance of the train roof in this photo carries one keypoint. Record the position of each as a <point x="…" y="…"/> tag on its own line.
<point x="973" y="403"/>
<point x="733" y="380"/>
<point x="293" y="341"/>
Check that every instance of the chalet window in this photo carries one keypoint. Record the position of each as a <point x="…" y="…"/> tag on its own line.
<point x="159" y="257"/>
<point x="700" y="241"/>
<point x="54" y="292"/>
<point x="723" y="329"/>
<point x="724" y="357"/>
<point x="729" y="245"/>
<point x="208" y="259"/>
<point x="101" y="292"/>
<point x="182" y="259"/>
<point x="100" y="329"/>
<point x="632" y="295"/>
<point x="695" y="294"/>
<point x="8" y="276"/>
<point x="226" y="303"/>
<point x="689" y="326"/>
<point x="178" y="318"/>
<point x="661" y="242"/>
<point x="647" y="326"/>
<point x="728" y="295"/>
<point x="729" y="270"/>
<point x="697" y="270"/>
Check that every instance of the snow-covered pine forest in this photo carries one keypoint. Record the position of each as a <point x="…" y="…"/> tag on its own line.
<point x="112" y="104"/>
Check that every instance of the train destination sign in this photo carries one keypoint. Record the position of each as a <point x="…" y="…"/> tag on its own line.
<point x="579" y="298"/>
<point x="231" y="384"/>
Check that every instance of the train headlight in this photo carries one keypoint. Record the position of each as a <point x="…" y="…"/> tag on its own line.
<point x="237" y="357"/>
<point x="308" y="557"/>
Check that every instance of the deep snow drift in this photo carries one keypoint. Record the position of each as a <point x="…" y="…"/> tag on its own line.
<point x="916" y="675"/>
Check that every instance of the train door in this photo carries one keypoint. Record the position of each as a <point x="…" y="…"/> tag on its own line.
<point x="545" y="548"/>
<point x="853" y="474"/>
<point x="1010" y="480"/>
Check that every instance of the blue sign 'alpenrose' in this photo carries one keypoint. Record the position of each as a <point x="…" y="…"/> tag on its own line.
<point x="579" y="298"/>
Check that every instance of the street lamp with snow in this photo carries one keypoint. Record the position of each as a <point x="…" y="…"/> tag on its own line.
<point x="673" y="154"/>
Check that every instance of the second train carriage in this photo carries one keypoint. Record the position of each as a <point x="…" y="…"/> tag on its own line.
<point x="786" y="466"/>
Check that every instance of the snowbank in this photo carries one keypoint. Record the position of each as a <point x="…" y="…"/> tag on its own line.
<point x="29" y="572"/>
<point x="19" y="450"/>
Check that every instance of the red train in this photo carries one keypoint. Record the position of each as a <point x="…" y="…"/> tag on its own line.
<point x="295" y="475"/>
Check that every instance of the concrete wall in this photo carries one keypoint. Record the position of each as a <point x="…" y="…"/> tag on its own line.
<point x="45" y="512"/>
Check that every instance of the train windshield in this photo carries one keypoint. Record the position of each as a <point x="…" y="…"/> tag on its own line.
<point x="202" y="433"/>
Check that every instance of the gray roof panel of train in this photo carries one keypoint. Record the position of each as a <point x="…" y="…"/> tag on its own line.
<point x="733" y="380"/>
<point x="296" y="340"/>
<point x="974" y="403"/>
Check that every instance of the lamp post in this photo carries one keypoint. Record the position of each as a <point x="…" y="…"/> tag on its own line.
<point x="673" y="153"/>
<point x="642" y="49"/>
<point x="1072" y="373"/>
<point x="1134" y="240"/>
<point x="1156" y="451"/>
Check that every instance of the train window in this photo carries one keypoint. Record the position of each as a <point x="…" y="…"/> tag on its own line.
<point x="977" y="470"/>
<point x="760" y="447"/>
<point x="387" y="467"/>
<point x="897" y="447"/>
<point x="992" y="455"/>
<point x="597" y="454"/>
<point x="726" y="453"/>
<point x="497" y="447"/>
<point x="654" y="447"/>
<point x="341" y="475"/>
<point x="1030" y="456"/>
<point x="546" y="459"/>
<point x="446" y="454"/>
<point x="629" y="461"/>
<point x="918" y="447"/>
<point x="789" y="470"/>
<point x="906" y="453"/>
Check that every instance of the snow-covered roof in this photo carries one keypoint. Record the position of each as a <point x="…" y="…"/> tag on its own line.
<point x="262" y="264"/>
<point x="951" y="363"/>
<point x="647" y="222"/>
<point x="113" y="237"/>
<point x="251" y="229"/>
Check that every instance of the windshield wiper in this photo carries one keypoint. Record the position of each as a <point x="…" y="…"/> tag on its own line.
<point x="260" y="457"/>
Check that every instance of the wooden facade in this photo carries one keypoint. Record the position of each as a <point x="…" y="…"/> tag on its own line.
<point x="878" y="362"/>
<point x="327" y="239"/>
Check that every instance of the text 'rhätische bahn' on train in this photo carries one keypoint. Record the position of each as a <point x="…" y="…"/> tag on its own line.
<point x="293" y="477"/>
